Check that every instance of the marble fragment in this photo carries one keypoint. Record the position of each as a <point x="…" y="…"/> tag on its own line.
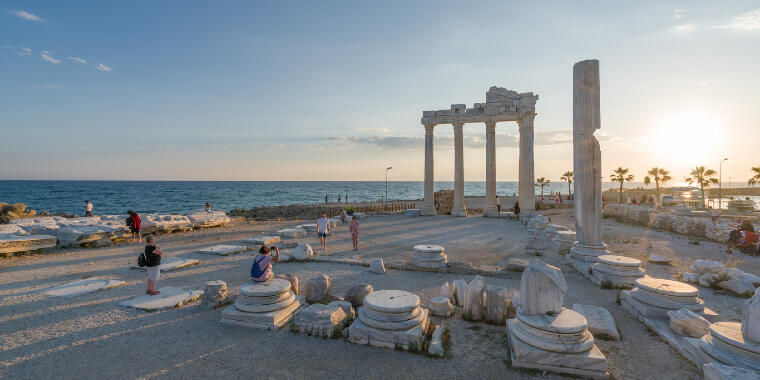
<point x="376" y="265"/>
<point x="688" y="323"/>
<point x="542" y="289"/>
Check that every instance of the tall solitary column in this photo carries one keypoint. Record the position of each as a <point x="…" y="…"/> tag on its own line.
<point x="489" y="205"/>
<point x="428" y="206"/>
<point x="526" y="196"/>
<point x="587" y="162"/>
<point x="459" y="207"/>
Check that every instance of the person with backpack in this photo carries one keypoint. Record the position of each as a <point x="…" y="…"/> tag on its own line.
<point x="261" y="270"/>
<point x="152" y="260"/>
<point x="133" y="221"/>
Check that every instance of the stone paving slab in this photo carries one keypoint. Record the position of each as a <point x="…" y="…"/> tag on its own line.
<point x="172" y="263"/>
<point x="223" y="249"/>
<point x="86" y="286"/>
<point x="170" y="297"/>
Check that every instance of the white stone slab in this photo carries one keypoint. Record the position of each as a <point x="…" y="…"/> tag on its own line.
<point x="269" y="288"/>
<point x="151" y="223"/>
<point x="208" y="218"/>
<point x="12" y="243"/>
<point x="263" y="240"/>
<point x="599" y="320"/>
<point x="392" y="301"/>
<point x="172" y="263"/>
<point x="169" y="298"/>
<point x="223" y="249"/>
<point x="291" y="233"/>
<point x="78" y="288"/>
<point x="659" y="259"/>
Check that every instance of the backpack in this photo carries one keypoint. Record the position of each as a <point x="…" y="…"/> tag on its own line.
<point x="256" y="269"/>
<point x="142" y="261"/>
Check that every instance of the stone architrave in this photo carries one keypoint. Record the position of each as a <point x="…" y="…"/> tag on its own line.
<point x="587" y="159"/>
<point x="542" y="289"/>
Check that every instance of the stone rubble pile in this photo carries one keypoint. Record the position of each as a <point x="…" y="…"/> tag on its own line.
<point x="715" y="274"/>
<point x="9" y="212"/>
<point x="685" y="224"/>
<point x="429" y="256"/>
<point x="391" y="319"/>
<point x="264" y="305"/>
<point x="617" y="271"/>
<point x="563" y="242"/>
<point x="550" y="232"/>
<point x="546" y="336"/>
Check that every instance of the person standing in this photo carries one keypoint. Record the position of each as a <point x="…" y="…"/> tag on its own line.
<point x="517" y="208"/>
<point x="323" y="227"/>
<point x="261" y="270"/>
<point x="325" y="198"/>
<point x="354" y="229"/>
<point x="208" y="207"/>
<point x="338" y="198"/>
<point x="133" y="221"/>
<point x="153" y="256"/>
<point x="87" y="208"/>
<point x="498" y="204"/>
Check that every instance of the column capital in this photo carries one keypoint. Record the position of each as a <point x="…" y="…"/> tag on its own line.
<point x="458" y="125"/>
<point x="429" y="129"/>
<point x="490" y="126"/>
<point x="526" y="121"/>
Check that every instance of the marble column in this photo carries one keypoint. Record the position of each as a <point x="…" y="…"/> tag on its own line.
<point x="587" y="162"/>
<point x="428" y="205"/>
<point x="459" y="208"/>
<point x="526" y="195"/>
<point x="489" y="204"/>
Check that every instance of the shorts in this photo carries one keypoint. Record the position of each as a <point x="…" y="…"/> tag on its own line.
<point x="88" y="213"/>
<point x="154" y="273"/>
<point x="135" y="230"/>
<point x="323" y="235"/>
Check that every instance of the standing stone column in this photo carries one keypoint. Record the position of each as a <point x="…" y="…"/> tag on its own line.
<point x="459" y="207"/>
<point x="489" y="205"/>
<point x="587" y="162"/>
<point x="428" y="205"/>
<point x="526" y="196"/>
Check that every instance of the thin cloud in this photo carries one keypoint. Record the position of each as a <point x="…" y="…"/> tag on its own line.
<point x="103" y="67"/>
<point x="77" y="60"/>
<point x="47" y="57"/>
<point x="679" y="13"/>
<point x="24" y="52"/>
<point x="274" y="145"/>
<point x="684" y="28"/>
<point x="26" y="15"/>
<point x="749" y="22"/>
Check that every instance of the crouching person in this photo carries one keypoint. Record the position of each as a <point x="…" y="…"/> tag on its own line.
<point x="261" y="270"/>
<point x="153" y="256"/>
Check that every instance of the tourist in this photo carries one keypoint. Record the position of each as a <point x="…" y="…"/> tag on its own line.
<point x="261" y="270"/>
<point x="516" y="209"/>
<point x="153" y="256"/>
<point x="338" y="198"/>
<point x="208" y="207"/>
<point x="325" y="198"/>
<point x="354" y="229"/>
<point x="498" y="204"/>
<point x="323" y="227"/>
<point x="133" y="221"/>
<point x="87" y="208"/>
<point x="346" y="198"/>
<point x="343" y="216"/>
<point x="744" y="238"/>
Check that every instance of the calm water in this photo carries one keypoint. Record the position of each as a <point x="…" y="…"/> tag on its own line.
<point x="115" y="197"/>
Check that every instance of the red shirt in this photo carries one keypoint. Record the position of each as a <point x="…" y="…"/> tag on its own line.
<point x="136" y="221"/>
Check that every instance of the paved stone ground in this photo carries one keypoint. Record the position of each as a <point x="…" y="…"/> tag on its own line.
<point x="92" y="336"/>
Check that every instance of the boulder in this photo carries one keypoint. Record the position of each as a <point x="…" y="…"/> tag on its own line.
<point x="688" y="323"/>
<point x="474" y="299"/>
<point x="599" y="320"/>
<point x="542" y="289"/>
<point x="377" y="265"/>
<point x="704" y="266"/>
<point x="709" y="279"/>
<point x="303" y="252"/>
<point x="436" y="343"/>
<point x="317" y="289"/>
<point x="214" y="294"/>
<point x="208" y="218"/>
<point x="751" y="318"/>
<point x="346" y="306"/>
<point x="460" y="287"/>
<point x="692" y="278"/>
<point x="738" y="286"/>
<point x="293" y="279"/>
<point x="498" y="302"/>
<point x="355" y="294"/>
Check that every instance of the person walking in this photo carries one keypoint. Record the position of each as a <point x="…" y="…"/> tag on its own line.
<point x="261" y="270"/>
<point x="323" y="227"/>
<point x="153" y="256"/>
<point x="517" y="208"/>
<point x="133" y="221"/>
<point x="498" y="204"/>
<point x="88" y="208"/>
<point x="354" y="229"/>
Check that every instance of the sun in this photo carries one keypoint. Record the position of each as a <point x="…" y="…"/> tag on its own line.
<point x="689" y="137"/>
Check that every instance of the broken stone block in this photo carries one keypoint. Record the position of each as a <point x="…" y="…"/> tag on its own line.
<point x="688" y="323"/>
<point x="517" y="265"/>
<point x="303" y="252"/>
<point x="447" y="290"/>
<point x="738" y="286"/>
<point x="542" y="289"/>
<point x="441" y="307"/>
<point x="600" y="321"/>
<point x="320" y="320"/>
<point x="497" y="304"/>
<point x="293" y="279"/>
<point x="214" y="294"/>
<point x="460" y="287"/>
<point x="377" y="266"/>
<point x="346" y="306"/>
<point x="317" y="289"/>
<point x="474" y="299"/>
<point x="436" y="343"/>
<point x="356" y="294"/>
<point x="659" y="259"/>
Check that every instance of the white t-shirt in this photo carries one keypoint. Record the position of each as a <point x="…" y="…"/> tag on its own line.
<point x="322" y="224"/>
<point x="88" y="207"/>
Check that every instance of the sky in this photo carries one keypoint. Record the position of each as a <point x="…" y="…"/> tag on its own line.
<point x="328" y="90"/>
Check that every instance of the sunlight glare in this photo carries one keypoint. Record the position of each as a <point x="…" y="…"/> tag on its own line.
<point x="691" y="137"/>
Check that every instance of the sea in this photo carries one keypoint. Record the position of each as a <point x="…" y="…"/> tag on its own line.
<point x="116" y="197"/>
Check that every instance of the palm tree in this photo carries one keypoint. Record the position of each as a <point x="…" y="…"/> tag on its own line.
<point x="701" y="176"/>
<point x="621" y="175"/>
<point x="756" y="178"/>
<point x="542" y="182"/>
<point x="568" y="176"/>
<point x="658" y="175"/>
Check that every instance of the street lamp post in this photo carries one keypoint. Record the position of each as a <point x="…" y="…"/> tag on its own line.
<point x="720" y="183"/>
<point x="386" y="185"/>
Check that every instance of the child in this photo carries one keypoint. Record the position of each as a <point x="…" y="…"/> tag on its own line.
<point x="153" y="255"/>
<point x="261" y="270"/>
<point x="354" y="228"/>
